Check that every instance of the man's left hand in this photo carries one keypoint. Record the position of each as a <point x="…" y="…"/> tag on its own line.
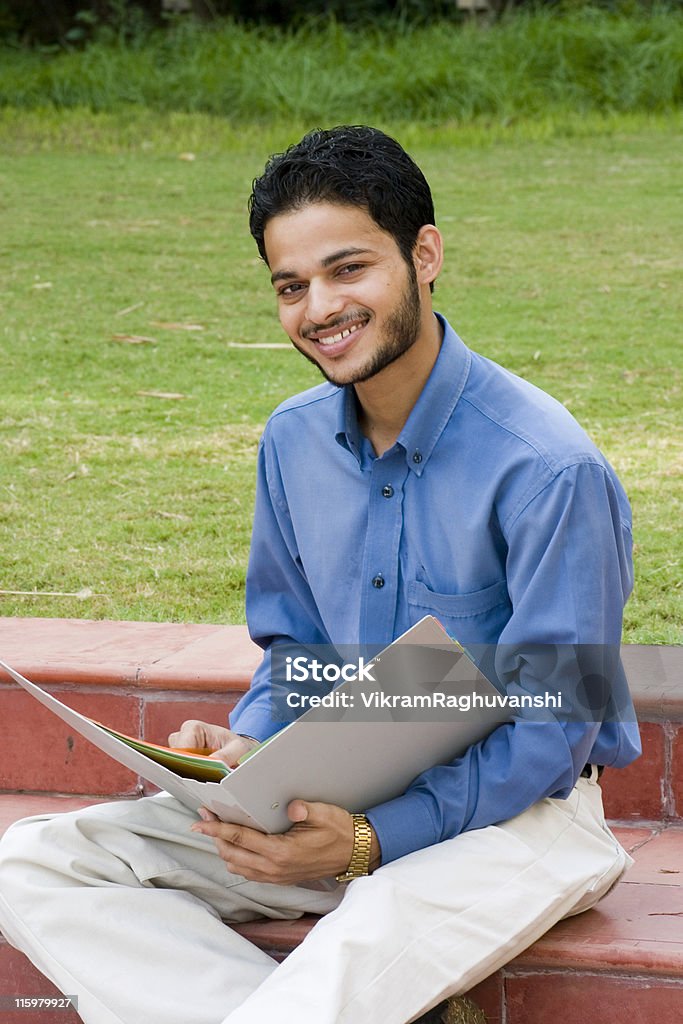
<point x="318" y="845"/>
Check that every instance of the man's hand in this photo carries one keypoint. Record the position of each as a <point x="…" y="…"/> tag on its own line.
<point x="224" y="745"/>
<point x="318" y="845"/>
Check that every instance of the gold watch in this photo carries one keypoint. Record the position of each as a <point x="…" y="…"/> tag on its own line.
<point x="359" y="864"/>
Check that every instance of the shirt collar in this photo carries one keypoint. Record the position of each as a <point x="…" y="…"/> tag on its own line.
<point x="430" y="413"/>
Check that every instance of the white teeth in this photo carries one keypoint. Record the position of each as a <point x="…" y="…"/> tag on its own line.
<point x="338" y="337"/>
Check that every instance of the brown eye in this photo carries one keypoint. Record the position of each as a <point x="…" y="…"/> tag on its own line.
<point x="289" y="290"/>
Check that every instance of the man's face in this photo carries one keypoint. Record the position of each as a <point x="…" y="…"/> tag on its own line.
<point x="346" y="297"/>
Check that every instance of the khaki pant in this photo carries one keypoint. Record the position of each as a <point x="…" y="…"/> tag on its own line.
<point x="121" y="905"/>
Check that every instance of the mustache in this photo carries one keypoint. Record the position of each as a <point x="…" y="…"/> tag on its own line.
<point x="341" y="321"/>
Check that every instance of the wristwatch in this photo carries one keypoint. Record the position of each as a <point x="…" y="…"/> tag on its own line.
<point x="359" y="864"/>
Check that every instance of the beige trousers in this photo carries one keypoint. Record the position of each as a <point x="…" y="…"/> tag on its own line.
<point x="121" y="905"/>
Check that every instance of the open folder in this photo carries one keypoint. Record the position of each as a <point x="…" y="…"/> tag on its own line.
<point x="354" y="754"/>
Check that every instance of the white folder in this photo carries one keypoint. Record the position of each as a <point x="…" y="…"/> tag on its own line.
<point x="354" y="758"/>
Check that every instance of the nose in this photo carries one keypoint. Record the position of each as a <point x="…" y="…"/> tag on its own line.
<point x="323" y="301"/>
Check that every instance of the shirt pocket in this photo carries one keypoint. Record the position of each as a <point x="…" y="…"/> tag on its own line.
<point x="479" y="615"/>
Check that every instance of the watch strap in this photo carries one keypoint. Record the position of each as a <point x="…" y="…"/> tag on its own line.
<point x="359" y="864"/>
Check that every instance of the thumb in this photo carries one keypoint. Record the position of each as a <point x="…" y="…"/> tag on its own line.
<point x="298" y="811"/>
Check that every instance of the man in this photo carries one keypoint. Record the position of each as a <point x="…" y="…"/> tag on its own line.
<point x="422" y="478"/>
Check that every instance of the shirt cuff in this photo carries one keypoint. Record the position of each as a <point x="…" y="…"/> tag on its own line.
<point x="403" y="826"/>
<point x="252" y="722"/>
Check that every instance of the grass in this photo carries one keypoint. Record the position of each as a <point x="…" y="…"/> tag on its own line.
<point x="564" y="263"/>
<point x="579" y="59"/>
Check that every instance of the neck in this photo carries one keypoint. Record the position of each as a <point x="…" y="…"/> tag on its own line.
<point x="387" y="399"/>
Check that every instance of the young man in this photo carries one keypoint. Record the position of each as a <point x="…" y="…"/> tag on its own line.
<point x="421" y="478"/>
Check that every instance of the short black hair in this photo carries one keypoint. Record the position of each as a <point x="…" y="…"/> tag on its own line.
<point x="351" y="164"/>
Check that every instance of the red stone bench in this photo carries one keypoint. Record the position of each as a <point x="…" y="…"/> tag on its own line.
<point x="623" y="959"/>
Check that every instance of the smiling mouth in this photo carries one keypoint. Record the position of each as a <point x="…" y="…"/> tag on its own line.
<point x="325" y="339"/>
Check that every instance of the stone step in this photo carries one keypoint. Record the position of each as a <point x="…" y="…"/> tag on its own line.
<point x="144" y="678"/>
<point x="621" y="961"/>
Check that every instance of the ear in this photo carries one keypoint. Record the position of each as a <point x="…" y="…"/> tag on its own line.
<point x="428" y="254"/>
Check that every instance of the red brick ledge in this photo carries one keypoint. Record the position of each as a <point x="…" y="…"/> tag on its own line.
<point x="148" y="655"/>
<point x="166" y="655"/>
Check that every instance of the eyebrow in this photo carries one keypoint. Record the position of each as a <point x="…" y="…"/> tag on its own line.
<point x="327" y="261"/>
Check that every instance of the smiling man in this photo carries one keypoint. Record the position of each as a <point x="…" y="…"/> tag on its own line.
<point x="355" y="310"/>
<point x="421" y="478"/>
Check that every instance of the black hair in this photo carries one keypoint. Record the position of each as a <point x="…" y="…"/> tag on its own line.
<point x="353" y="165"/>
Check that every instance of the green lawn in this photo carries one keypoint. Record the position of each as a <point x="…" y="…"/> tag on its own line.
<point x="563" y="262"/>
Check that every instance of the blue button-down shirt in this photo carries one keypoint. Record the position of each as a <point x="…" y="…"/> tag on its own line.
<point x="494" y="512"/>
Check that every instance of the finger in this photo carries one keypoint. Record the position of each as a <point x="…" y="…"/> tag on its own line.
<point x="191" y="734"/>
<point x="298" y="811"/>
<point x="227" y="755"/>
<point x="232" y="751"/>
<point x="207" y="815"/>
<point x="239" y="837"/>
<point x="245" y="862"/>
<point x="240" y="860"/>
<point x="317" y="814"/>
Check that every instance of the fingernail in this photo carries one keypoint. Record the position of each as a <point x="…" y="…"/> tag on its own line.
<point x="204" y="814"/>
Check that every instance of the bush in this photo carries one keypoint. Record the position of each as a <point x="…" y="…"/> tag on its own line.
<point x="529" y="63"/>
<point x="75" y="22"/>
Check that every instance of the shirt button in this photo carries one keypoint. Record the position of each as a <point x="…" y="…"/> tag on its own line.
<point x="378" y="581"/>
<point x="388" y="491"/>
<point x="417" y="457"/>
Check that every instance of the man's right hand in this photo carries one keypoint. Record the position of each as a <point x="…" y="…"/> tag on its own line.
<point x="225" y="745"/>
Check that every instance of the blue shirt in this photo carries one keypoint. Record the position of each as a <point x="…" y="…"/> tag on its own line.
<point x="494" y="512"/>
